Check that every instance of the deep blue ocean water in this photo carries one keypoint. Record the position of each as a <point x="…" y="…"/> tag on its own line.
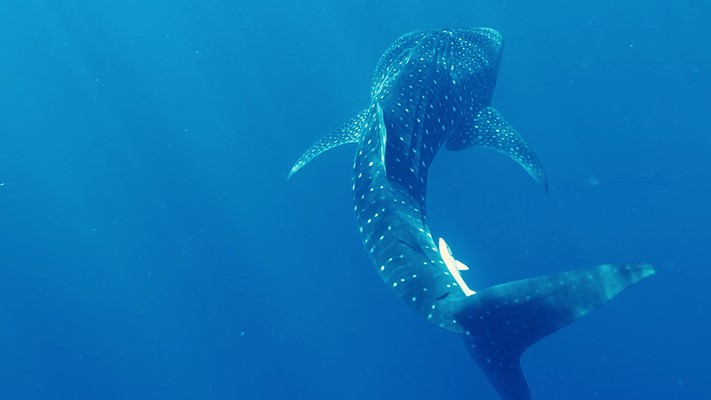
<point x="151" y="247"/>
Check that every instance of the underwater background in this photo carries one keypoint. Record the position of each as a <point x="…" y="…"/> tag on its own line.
<point x="152" y="248"/>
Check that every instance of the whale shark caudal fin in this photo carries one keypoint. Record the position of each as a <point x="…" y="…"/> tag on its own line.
<point x="503" y="321"/>
<point x="490" y="129"/>
<point x="347" y="133"/>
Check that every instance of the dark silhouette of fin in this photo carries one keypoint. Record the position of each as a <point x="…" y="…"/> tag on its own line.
<point x="503" y="321"/>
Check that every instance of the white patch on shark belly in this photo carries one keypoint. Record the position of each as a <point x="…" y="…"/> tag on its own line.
<point x="454" y="267"/>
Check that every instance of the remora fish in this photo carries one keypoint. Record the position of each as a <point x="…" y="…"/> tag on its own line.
<point x="434" y="89"/>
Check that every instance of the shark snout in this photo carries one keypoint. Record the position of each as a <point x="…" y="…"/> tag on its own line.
<point x="490" y="33"/>
<point x="490" y="41"/>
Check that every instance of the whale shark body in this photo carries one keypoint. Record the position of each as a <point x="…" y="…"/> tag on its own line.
<point x="433" y="89"/>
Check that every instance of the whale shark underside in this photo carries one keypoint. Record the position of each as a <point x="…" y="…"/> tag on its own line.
<point x="430" y="90"/>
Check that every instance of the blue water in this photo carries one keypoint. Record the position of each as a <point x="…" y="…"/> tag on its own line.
<point x="151" y="248"/>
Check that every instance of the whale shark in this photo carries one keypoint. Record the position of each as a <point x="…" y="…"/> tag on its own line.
<point x="433" y="89"/>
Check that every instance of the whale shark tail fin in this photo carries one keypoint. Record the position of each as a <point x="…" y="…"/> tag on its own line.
<point x="489" y="129"/>
<point x="347" y="133"/>
<point x="503" y="321"/>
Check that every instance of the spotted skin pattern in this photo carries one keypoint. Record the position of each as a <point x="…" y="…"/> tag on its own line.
<point x="433" y="89"/>
<point x="426" y="86"/>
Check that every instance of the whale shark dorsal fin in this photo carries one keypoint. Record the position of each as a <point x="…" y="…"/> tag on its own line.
<point x="349" y="132"/>
<point x="489" y="129"/>
<point x="382" y="133"/>
<point x="374" y="140"/>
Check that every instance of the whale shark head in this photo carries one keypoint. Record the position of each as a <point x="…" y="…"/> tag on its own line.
<point x="467" y="57"/>
<point x="474" y="56"/>
<point x="478" y="48"/>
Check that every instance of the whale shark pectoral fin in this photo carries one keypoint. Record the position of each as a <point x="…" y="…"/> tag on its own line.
<point x="502" y="321"/>
<point x="490" y="129"/>
<point x="349" y="132"/>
